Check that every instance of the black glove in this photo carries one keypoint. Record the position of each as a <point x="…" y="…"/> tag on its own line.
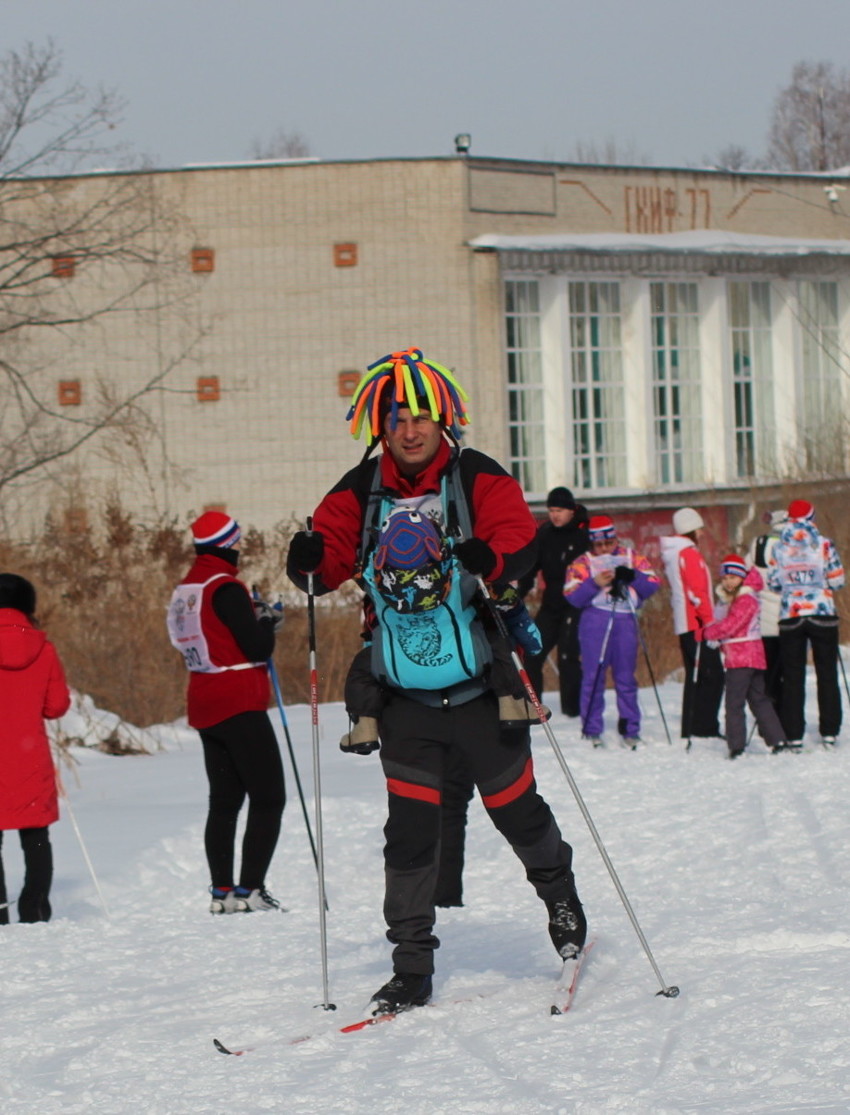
<point x="306" y="551"/>
<point x="623" y="575"/>
<point x="476" y="556"/>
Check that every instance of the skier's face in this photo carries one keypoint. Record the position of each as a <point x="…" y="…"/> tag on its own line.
<point x="560" y="516"/>
<point x="731" y="583"/>
<point x="414" y="442"/>
<point x="603" y="545"/>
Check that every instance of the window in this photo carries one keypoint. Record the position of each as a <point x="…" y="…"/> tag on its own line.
<point x="525" y="384"/>
<point x="752" y="376"/>
<point x="69" y="392"/>
<point x="207" y="389"/>
<point x="345" y="255"/>
<point x="596" y="367"/>
<point x="821" y="426"/>
<point x="202" y="260"/>
<point x="63" y="267"/>
<point x="676" y="382"/>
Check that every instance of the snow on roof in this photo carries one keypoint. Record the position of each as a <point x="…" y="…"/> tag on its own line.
<point x="700" y="241"/>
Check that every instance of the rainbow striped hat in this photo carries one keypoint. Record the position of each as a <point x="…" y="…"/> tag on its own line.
<point x="406" y="379"/>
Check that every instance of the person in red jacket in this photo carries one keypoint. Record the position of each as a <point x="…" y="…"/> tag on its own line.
<point x="32" y="688"/>
<point x="226" y="640"/>
<point x="690" y="584"/>
<point x="439" y="704"/>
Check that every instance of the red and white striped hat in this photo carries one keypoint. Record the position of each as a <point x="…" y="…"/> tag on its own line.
<point x="734" y="566"/>
<point x="601" y="529"/>
<point x="215" y="528"/>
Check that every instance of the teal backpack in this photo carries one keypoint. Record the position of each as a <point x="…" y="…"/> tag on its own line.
<point x="439" y="642"/>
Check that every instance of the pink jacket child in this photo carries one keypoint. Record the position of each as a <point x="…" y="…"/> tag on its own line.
<point x="739" y="634"/>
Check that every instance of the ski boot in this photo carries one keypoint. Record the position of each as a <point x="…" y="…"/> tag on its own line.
<point x="403" y="992"/>
<point x="567" y="925"/>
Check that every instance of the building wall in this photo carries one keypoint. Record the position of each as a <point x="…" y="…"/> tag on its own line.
<point x="276" y="320"/>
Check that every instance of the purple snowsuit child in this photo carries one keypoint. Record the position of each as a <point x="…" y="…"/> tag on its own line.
<point x="608" y="584"/>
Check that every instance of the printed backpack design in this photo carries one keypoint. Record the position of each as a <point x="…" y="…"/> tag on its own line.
<point x="428" y="634"/>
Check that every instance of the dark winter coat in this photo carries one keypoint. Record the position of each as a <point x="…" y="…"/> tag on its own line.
<point x="32" y="687"/>
<point x="234" y="636"/>
<point x="557" y="549"/>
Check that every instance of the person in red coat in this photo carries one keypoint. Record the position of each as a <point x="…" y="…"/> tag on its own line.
<point x="32" y="687"/>
<point x="226" y="639"/>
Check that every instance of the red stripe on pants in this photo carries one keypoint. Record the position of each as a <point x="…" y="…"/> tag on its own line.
<point x="512" y="792"/>
<point x="411" y="790"/>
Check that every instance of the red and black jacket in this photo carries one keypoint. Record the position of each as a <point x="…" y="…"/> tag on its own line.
<point x="500" y="516"/>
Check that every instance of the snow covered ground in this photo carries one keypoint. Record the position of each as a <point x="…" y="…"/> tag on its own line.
<point x="738" y="873"/>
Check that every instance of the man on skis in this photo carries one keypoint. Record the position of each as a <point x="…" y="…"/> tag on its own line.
<point x="434" y="662"/>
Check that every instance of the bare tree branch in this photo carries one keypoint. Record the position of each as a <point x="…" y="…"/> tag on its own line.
<point x="810" y="127"/>
<point x="284" y="144"/>
<point x="76" y="252"/>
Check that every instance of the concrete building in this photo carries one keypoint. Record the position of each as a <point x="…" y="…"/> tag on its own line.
<point x="646" y="336"/>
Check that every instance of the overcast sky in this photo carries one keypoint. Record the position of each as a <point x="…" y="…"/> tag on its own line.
<point x="669" y="81"/>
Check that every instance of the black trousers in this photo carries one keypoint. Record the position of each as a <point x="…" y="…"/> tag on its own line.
<point x="365" y="696"/>
<point x="242" y="758"/>
<point x="795" y="636"/>
<point x="559" y="627"/>
<point x="701" y="699"/>
<point x="416" y="741"/>
<point x="457" y="792"/>
<point x="34" y="900"/>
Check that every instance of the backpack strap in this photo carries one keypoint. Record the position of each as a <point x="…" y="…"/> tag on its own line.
<point x="759" y="555"/>
<point x="455" y="485"/>
<point x="370" y="493"/>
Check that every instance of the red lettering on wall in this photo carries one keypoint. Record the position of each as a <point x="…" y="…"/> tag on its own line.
<point x="651" y="209"/>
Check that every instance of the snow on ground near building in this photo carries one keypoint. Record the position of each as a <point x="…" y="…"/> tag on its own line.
<point x="738" y="874"/>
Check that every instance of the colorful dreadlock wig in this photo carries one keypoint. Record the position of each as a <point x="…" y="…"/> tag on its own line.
<point x="406" y="379"/>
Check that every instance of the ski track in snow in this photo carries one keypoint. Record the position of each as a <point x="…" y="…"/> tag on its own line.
<point x="736" y="872"/>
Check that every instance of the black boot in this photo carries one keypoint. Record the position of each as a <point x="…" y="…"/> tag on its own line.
<point x="567" y="925"/>
<point x="404" y="991"/>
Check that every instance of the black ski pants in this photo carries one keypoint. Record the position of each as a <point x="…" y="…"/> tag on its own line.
<point x="795" y="636"/>
<point x="559" y="627"/>
<point x="416" y="739"/>
<point x="701" y="697"/>
<point x="365" y="696"/>
<point x="242" y="758"/>
<point x="34" y="900"/>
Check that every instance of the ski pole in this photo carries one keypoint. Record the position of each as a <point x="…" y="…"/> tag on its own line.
<point x="317" y="780"/>
<point x="599" y="666"/>
<point x="648" y="664"/>
<point x="63" y="794"/>
<point x="669" y="991"/>
<point x="279" y="700"/>
<point x="843" y="671"/>
<point x="692" y="694"/>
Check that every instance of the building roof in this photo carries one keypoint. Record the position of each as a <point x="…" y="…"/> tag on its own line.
<point x="696" y="250"/>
